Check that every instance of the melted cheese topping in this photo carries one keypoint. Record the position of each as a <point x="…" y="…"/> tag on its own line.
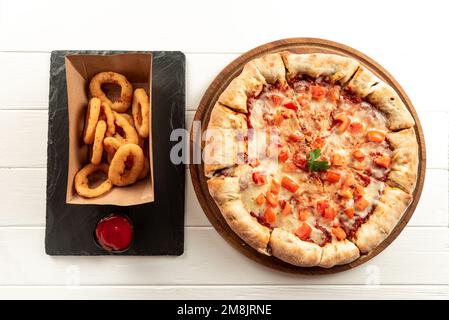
<point x="291" y="122"/>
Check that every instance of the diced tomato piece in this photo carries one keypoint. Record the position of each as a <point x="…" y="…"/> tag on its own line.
<point x="333" y="94"/>
<point x="302" y="100"/>
<point x="287" y="209"/>
<point x="318" y="143"/>
<point x="269" y="215"/>
<point x="295" y="137"/>
<point x="259" y="178"/>
<point x="278" y="118"/>
<point x="290" y="167"/>
<point x="276" y="100"/>
<point x="318" y="92"/>
<point x="356" y="127"/>
<point x="337" y="160"/>
<point x="329" y="213"/>
<point x="271" y="199"/>
<point x="303" y="232"/>
<point x="303" y="214"/>
<point x="345" y="193"/>
<point x="254" y="163"/>
<point x="289" y="184"/>
<point x="383" y="161"/>
<point x="332" y="176"/>
<point x="339" y="233"/>
<point x="299" y="160"/>
<point x="260" y="199"/>
<point x="343" y="122"/>
<point x="361" y="204"/>
<point x="291" y="106"/>
<point x="349" y="181"/>
<point x="283" y="156"/>
<point x="321" y="206"/>
<point x="358" y="155"/>
<point x="375" y="136"/>
<point x="275" y="187"/>
<point x="349" y="212"/>
<point x="359" y="191"/>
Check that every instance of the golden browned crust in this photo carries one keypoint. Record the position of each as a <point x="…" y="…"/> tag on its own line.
<point x="226" y="193"/>
<point x="224" y="139"/>
<point x="249" y="83"/>
<point x="223" y="117"/>
<point x="338" y="252"/>
<point x="387" y="100"/>
<point x="404" y="164"/>
<point x="271" y="67"/>
<point x="389" y="210"/>
<point x="331" y="67"/>
<point x="289" y="248"/>
<point x="255" y="74"/>
<point x="362" y="82"/>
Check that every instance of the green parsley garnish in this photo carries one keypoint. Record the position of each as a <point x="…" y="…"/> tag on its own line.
<point x="315" y="165"/>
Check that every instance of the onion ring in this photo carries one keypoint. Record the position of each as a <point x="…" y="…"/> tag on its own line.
<point x="128" y="118"/>
<point x="145" y="170"/>
<point x="111" y="145"/>
<point x="141" y="112"/>
<point x="118" y="174"/>
<point x="82" y="181"/>
<point x="130" y="133"/>
<point x="92" y="114"/>
<point x="126" y="91"/>
<point x="97" y="110"/>
<point x="107" y="115"/>
<point x="97" y="148"/>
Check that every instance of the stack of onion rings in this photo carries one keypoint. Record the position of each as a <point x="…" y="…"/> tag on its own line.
<point x="121" y="135"/>
<point x="82" y="181"/>
<point x="114" y="78"/>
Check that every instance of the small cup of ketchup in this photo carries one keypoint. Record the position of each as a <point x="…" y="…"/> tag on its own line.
<point x="114" y="233"/>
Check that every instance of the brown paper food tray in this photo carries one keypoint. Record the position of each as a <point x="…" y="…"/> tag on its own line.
<point x="79" y="70"/>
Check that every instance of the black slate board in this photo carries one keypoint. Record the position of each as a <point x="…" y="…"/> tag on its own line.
<point x="158" y="226"/>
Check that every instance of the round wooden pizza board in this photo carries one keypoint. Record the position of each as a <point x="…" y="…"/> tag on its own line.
<point x="297" y="45"/>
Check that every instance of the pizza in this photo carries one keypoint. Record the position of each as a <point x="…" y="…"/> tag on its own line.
<point x="310" y="158"/>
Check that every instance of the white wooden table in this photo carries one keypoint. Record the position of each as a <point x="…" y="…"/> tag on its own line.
<point x="408" y="39"/>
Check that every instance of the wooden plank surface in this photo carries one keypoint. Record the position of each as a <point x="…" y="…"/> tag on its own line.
<point x="262" y="292"/>
<point x="418" y="256"/>
<point x="416" y="264"/>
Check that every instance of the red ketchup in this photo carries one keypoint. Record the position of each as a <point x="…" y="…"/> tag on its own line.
<point x="114" y="233"/>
